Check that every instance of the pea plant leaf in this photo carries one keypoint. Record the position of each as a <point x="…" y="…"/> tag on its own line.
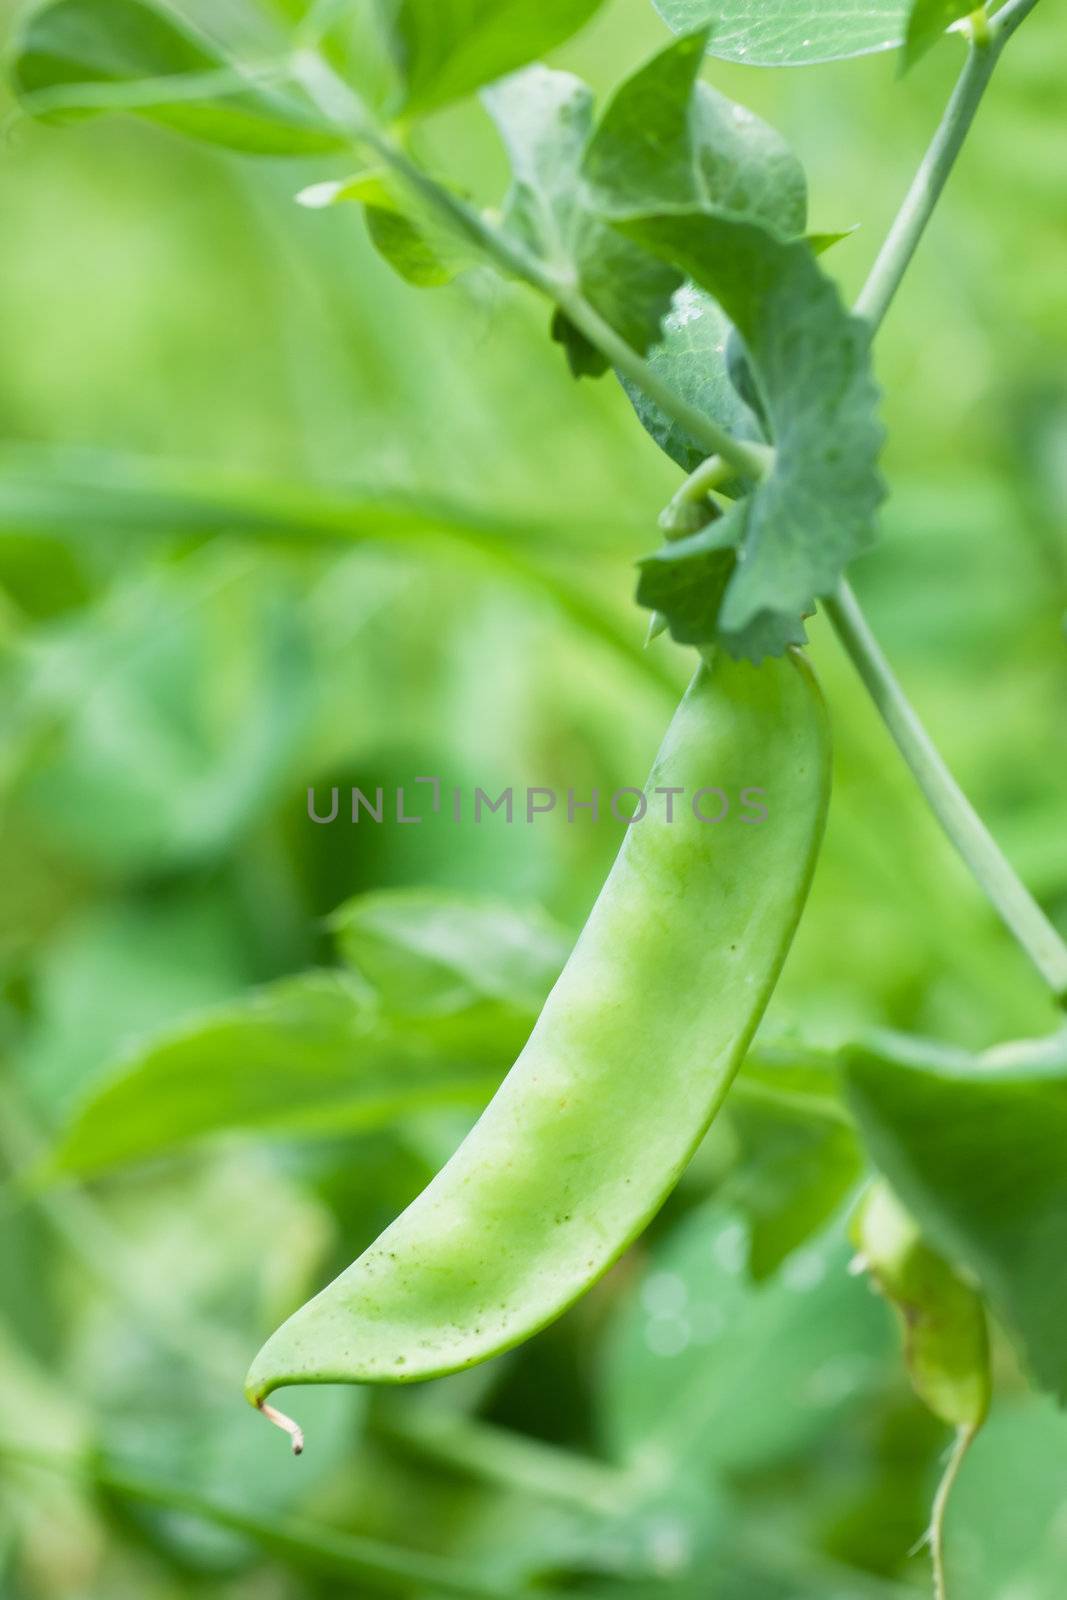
<point x="545" y="120"/>
<point x="942" y="1318"/>
<point x="798" y="529"/>
<point x="441" y="992"/>
<point x="81" y="58"/>
<point x="974" y="1148"/>
<point x="445" y="49"/>
<point x="790" y="33"/>
<point x="415" y="246"/>
<point x="690" y="355"/>
<point x="927" y="21"/>
<point x="761" y="340"/>
<point x="667" y="139"/>
<point x="708" y="1370"/>
<point x="799" y="1157"/>
<point x="305" y="1056"/>
<point x="437" y="950"/>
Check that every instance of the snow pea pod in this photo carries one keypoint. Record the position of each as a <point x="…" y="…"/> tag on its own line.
<point x="630" y="1058"/>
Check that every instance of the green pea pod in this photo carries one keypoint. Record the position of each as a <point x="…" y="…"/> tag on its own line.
<point x="946" y="1343"/>
<point x="632" y="1055"/>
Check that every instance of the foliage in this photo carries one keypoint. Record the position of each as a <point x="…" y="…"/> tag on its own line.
<point x="269" y="520"/>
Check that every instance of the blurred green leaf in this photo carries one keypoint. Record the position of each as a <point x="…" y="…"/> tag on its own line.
<point x="447" y="50"/>
<point x="799" y="1156"/>
<point x="942" y="1319"/>
<point x="117" y="969"/>
<point x="1006" y="1533"/>
<point x="780" y="33"/>
<point x="546" y="121"/>
<point x="705" y="1370"/>
<point x="431" y="950"/>
<point x="307" y="1055"/>
<point x="76" y="493"/>
<point x="172" y="720"/>
<point x="421" y="252"/>
<point x="974" y="1147"/>
<point x="302" y="1543"/>
<point x="78" y="58"/>
<point x="927" y="21"/>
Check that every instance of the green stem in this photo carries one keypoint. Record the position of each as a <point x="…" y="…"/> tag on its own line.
<point x="1008" y="18"/>
<point x="302" y="1544"/>
<point x="904" y="236"/>
<point x="338" y="102"/>
<point x="964" y="1440"/>
<point x="714" y="473"/>
<point x="1010" y="897"/>
<point x="1012" y="900"/>
<point x="497" y="1456"/>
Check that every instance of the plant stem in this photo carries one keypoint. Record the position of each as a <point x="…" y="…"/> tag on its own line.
<point x="302" y="1544"/>
<point x="1012" y="900"/>
<point x="1008" y="18"/>
<point x="339" y="103"/>
<point x="964" y="1440"/>
<point x="491" y="1454"/>
<point x="711" y="474"/>
<point x="903" y="238"/>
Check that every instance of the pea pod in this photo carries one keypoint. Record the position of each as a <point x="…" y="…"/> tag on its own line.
<point x="631" y="1057"/>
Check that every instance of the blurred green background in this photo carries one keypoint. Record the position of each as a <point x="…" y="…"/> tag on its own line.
<point x="270" y="518"/>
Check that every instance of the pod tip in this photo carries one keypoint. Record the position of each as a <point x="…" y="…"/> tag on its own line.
<point x="287" y="1425"/>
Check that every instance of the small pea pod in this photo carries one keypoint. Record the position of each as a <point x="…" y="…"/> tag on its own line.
<point x="946" y="1339"/>
<point x="632" y="1055"/>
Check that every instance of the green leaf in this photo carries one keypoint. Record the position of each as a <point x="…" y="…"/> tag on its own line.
<point x="435" y="950"/>
<point x="942" y="1319"/>
<point x="421" y="252"/>
<point x="308" y="1055"/>
<point x="445" y="49"/>
<point x="583" y="357"/>
<point x="715" y="192"/>
<point x="79" y="58"/>
<point x="799" y="1154"/>
<point x="707" y="1370"/>
<point x="785" y="33"/>
<point x="690" y="356"/>
<point x="975" y="1147"/>
<point x="546" y="122"/>
<point x="1005" y="1535"/>
<point x="927" y="21"/>
<point x="798" y="529"/>
<point x="666" y="139"/>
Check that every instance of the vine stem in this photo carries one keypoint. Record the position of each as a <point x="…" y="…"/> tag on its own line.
<point x="340" y="104"/>
<point x="993" y="872"/>
<point x="1012" y="900"/>
<point x="908" y="227"/>
<point x="986" y="44"/>
<point x="964" y="1439"/>
<point x="307" y="1546"/>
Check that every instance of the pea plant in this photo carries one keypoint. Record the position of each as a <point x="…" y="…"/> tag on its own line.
<point x="667" y="232"/>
